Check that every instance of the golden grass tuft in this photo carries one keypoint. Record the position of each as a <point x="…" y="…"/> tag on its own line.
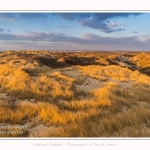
<point x="103" y="73"/>
<point x="46" y="113"/>
<point x="17" y="82"/>
<point x="142" y="60"/>
<point x="45" y="87"/>
<point x="99" y="98"/>
<point x="113" y="72"/>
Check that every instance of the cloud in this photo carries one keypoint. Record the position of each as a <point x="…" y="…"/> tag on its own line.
<point x="98" y="21"/>
<point x="68" y="16"/>
<point x="120" y="29"/>
<point x="19" y="16"/>
<point x="33" y="15"/>
<point x="145" y="35"/>
<point x="98" y="16"/>
<point x="59" y="37"/>
<point x="40" y="36"/>
<point x="89" y="41"/>
<point x="134" y="32"/>
<point x="113" y="24"/>
<point x="72" y="16"/>
<point x="1" y="29"/>
<point x="105" y="16"/>
<point x="8" y="16"/>
<point x="8" y="30"/>
<point x="122" y="24"/>
<point x="64" y="26"/>
<point x="90" y="22"/>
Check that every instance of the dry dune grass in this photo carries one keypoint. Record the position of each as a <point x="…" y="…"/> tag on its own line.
<point x="113" y="72"/>
<point x="49" y="88"/>
<point x="99" y="98"/>
<point x="142" y="60"/>
<point x="47" y="113"/>
<point x="103" y="73"/>
<point x="79" y="117"/>
<point x="14" y="80"/>
<point x="109" y="110"/>
<point x="116" y="125"/>
<point x="18" y="83"/>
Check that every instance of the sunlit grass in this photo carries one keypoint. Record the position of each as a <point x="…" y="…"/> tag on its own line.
<point x="119" y="107"/>
<point x="142" y="60"/>
<point x="17" y="82"/>
<point x="105" y="73"/>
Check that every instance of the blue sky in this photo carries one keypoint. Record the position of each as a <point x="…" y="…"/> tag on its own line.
<point x="75" y="31"/>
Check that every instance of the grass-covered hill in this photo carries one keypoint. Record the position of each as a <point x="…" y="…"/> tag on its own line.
<point x="74" y="94"/>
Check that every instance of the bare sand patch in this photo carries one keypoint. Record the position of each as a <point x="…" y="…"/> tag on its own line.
<point x="90" y="84"/>
<point x="72" y="73"/>
<point x="124" y="85"/>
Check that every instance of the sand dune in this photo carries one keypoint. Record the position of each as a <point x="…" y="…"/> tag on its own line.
<point x="74" y="94"/>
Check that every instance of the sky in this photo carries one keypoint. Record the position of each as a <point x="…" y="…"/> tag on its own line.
<point x="75" y="31"/>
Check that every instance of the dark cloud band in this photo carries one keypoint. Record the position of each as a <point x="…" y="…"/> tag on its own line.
<point x="1" y="29"/>
<point x="87" y="39"/>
